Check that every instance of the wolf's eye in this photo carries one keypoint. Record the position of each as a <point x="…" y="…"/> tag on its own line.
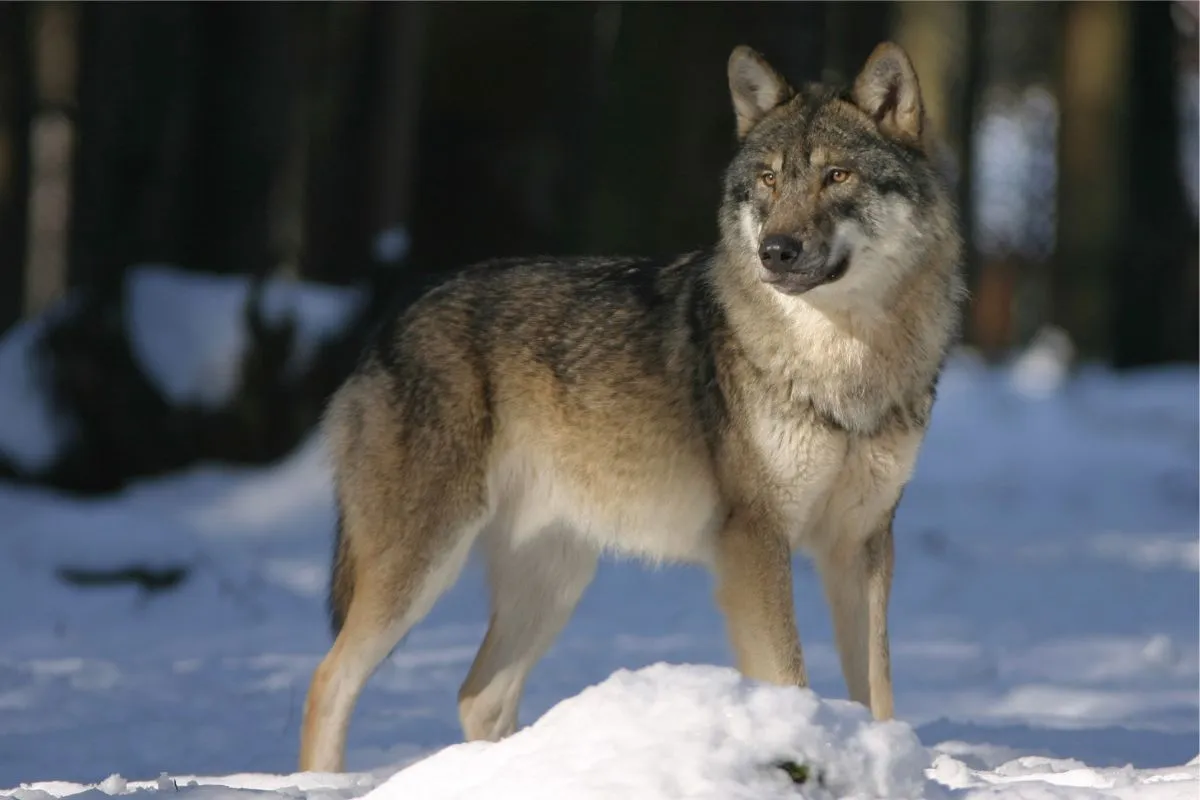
<point x="768" y="179"/>
<point x="837" y="175"/>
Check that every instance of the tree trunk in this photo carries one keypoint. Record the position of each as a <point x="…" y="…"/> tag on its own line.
<point x="336" y="204"/>
<point x="183" y="128"/>
<point x="52" y="141"/>
<point x="666" y="130"/>
<point x="286" y="236"/>
<point x="133" y="79"/>
<point x="396" y="102"/>
<point x="499" y="133"/>
<point x="1093" y="191"/>
<point x="853" y="31"/>
<point x="946" y="42"/>
<point x="966" y="100"/>
<point x="1153" y="286"/>
<point x="16" y="119"/>
<point x="582" y="122"/>
<point x="240" y="132"/>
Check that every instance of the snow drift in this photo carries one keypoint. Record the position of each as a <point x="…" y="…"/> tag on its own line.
<point x="677" y="731"/>
<point x="680" y="731"/>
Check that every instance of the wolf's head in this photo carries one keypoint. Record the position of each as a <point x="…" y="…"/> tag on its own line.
<point x="832" y="194"/>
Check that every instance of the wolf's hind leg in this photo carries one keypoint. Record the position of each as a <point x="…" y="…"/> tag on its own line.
<point x="395" y="584"/>
<point x="535" y="587"/>
<point x="408" y="443"/>
<point x="393" y="592"/>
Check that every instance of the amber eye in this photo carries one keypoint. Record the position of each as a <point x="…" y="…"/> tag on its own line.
<point x="837" y="175"/>
<point x="768" y="179"/>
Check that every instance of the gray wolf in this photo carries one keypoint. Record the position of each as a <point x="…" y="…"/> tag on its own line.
<point x="728" y="407"/>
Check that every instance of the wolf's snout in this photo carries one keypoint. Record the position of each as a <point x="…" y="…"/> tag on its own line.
<point x="779" y="252"/>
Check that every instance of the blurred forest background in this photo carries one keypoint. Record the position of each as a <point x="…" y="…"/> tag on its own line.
<point x="374" y="145"/>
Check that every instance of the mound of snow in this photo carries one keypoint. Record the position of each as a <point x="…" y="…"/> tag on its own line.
<point x="188" y="329"/>
<point x="188" y="334"/>
<point x="680" y="731"/>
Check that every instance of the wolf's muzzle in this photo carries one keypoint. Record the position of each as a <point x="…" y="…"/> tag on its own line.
<point x="792" y="270"/>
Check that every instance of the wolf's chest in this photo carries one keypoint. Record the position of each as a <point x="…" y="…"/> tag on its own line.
<point x="827" y="482"/>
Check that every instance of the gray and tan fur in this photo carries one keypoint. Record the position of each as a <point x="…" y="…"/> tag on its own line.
<point x="727" y="408"/>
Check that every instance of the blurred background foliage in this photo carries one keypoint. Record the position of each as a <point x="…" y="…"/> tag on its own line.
<point x="379" y="144"/>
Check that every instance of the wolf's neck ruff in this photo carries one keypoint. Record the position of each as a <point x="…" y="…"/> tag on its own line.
<point x="856" y="364"/>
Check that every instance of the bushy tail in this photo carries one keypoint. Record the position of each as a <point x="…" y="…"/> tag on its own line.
<point x="341" y="579"/>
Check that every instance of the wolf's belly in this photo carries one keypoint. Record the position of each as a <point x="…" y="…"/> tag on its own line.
<point x="661" y="501"/>
<point x="656" y="503"/>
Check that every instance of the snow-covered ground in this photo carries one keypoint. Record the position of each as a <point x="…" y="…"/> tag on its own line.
<point x="1044" y="627"/>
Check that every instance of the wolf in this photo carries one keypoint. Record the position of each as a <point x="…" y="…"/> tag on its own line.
<point x="730" y="407"/>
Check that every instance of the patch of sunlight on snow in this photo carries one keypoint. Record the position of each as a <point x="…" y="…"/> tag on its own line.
<point x="1147" y="551"/>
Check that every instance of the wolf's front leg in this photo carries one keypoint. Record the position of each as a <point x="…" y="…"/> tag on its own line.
<point x="857" y="576"/>
<point x="753" y="569"/>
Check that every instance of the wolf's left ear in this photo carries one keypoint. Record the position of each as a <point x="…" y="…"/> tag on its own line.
<point x="888" y="91"/>
<point x="755" y="86"/>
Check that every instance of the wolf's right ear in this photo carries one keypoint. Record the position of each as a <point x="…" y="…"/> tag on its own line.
<point x="755" y="86"/>
<point x="888" y="90"/>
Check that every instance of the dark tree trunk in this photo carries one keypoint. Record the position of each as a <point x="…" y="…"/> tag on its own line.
<point x="666" y="131"/>
<point x="239" y="134"/>
<point x="854" y="30"/>
<point x="364" y="95"/>
<point x="500" y="132"/>
<point x="1154" y="317"/>
<point x="337" y="204"/>
<point x="183" y="128"/>
<point x="287" y="236"/>
<point x="133" y="79"/>
<point x="400" y="35"/>
<point x="582" y="122"/>
<point x="16" y="117"/>
<point x="947" y="44"/>
<point x="969" y="89"/>
<point x="1093" y="195"/>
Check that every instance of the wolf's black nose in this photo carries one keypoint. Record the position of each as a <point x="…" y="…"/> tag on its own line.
<point x="779" y="252"/>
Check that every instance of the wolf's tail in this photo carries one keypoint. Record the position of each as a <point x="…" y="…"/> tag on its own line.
<point x="341" y="579"/>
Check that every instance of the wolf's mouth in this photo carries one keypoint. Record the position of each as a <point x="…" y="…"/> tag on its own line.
<point x="800" y="281"/>
<point x="840" y="268"/>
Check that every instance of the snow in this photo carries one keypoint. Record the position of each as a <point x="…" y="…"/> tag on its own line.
<point x="30" y="435"/>
<point x="391" y="245"/>
<point x="1044" y="618"/>
<point x="188" y="328"/>
<point x="1016" y="138"/>
<point x="679" y="731"/>
<point x="1041" y="370"/>
<point x="188" y="334"/>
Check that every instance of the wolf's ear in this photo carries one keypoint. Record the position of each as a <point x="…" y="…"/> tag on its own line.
<point x="888" y="91"/>
<point x="755" y="86"/>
